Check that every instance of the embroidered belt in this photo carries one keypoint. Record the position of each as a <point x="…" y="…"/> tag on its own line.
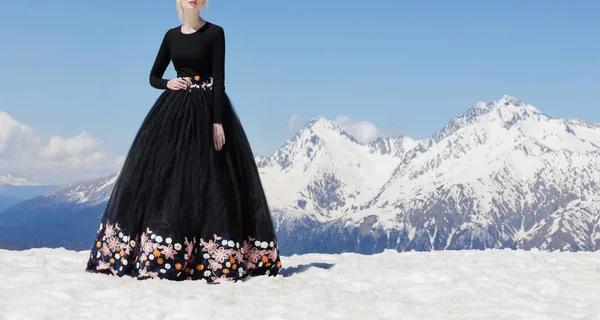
<point x="201" y="82"/>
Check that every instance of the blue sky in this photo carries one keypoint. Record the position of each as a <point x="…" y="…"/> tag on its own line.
<point x="406" y="66"/>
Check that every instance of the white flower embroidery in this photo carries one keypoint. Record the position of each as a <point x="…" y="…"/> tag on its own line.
<point x="224" y="242"/>
<point x="272" y="244"/>
<point x="228" y="264"/>
<point x="158" y="239"/>
<point x="168" y="240"/>
<point x="257" y="243"/>
<point x="125" y="238"/>
<point x="167" y="266"/>
<point x="125" y="262"/>
<point x="163" y="271"/>
<point x="132" y="243"/>
<point x="206" y="273"/>
<point x="230" y="243"/>
<point x="264" y="245"/>
<point x="206" y="256"/>
<point x="177" y="246"/>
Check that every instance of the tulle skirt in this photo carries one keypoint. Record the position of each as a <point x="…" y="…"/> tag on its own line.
<point x="181" y="210"/>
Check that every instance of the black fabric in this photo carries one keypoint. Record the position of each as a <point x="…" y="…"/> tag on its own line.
<point x="199" y="53"/>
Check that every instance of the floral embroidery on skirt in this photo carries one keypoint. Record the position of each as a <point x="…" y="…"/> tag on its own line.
<point x="151" y="255"/>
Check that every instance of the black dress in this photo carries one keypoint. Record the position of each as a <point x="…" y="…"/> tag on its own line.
<point x="180" y="209"/>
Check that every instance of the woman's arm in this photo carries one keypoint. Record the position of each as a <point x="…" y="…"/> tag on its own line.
<point x="218" y="64"/>
<point x="163" y="58"/>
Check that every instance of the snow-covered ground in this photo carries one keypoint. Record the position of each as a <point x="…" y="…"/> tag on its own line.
<point x="492" y="284"/>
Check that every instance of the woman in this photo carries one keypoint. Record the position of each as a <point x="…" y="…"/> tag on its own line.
<point x="188" y="202"/>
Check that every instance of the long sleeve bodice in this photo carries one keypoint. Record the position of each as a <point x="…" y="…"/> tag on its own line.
<point x="199" y="53"/>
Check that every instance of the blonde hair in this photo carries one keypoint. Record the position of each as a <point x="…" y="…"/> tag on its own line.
<point x="180" y="9"/>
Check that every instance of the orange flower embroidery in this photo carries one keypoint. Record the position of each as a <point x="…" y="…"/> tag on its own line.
<point x="147" y="263"/>
<point x="122" y="252"/>
<point x="197" y="78"/>
<point x="232" y="259"/>
<point x="178" y="266"/>
<point x="98" y="244"/>
<point x="234" y="266"/>
<point x="187" y="269"/>
<point x="278" y="264"/>
<point x="268" y="264"/>
<point x="200" y="267"/>
<point x="156" y="253"/>
<point x="265" y="259"/>
<point x="112" y="260"/>
<point x="225" y="271"/>
<point x="159" y="260"/>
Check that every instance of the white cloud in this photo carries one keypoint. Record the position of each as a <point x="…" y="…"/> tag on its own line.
<point x="293" y="122"/>
<point x="60" y="160"/>
<point x="363" y="131"/>
<point x="60" y="147"/>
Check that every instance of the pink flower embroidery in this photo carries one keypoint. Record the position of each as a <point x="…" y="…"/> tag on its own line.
<point x="110" y="230"/>
<point x="221" y="254"/>
<point x="209" y="246"/>
<point x="273" y="254"/>
<point x="253" y="255"/>
<point x="105" y="250"/>
<point x="189" y="246"/>
<point x="102" y="265"/>
<point x="114" y="244"/>
<point x="168" y="251"/>
<point x="238" y="256"/>
<point x="213" y="265"/>
<point x="221" y="279"/>
<point x="147" y="245"/>
<point x="146" y="273"/>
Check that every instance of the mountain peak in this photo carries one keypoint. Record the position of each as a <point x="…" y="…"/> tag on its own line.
<point x="323" y="127"/>
<point x="508" y="109"/>
<point x="510" y="100"/>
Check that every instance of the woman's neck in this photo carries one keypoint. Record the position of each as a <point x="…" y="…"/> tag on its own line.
<point x="192" y="20"/>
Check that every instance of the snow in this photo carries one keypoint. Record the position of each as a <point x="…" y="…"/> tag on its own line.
<point x="19" y="181"/>
<point x="500" y="284"/>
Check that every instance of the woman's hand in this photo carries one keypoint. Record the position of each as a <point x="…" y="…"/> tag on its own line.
<point x="179" y="83"/>
<point x="218" y="136"/>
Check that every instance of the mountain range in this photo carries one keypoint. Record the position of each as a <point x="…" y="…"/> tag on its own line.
<point x="501" y="175"/>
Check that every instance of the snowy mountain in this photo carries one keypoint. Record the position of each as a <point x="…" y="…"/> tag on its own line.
<point x="323" y="172"/>
<point x="501" y="175"/>
<point x="15" y="189"/>
<point x="63" y="217"/>
<point x="20" y="181"/>
<point x="86" y="193"/>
